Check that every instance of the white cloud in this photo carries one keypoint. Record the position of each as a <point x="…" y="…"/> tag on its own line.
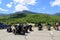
<point x="0" y="1"/>
<point x="9" y="5"/>
<point x="55" y="3"/>
<point x="3" y="9"/>
<point x="20" y="7"/>
<point x="31" y="2"/>
<point x="21" y="4"/>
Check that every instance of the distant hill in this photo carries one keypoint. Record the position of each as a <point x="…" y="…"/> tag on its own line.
<point x="23" y="14"/>
<point x="26" y="12"/>
<point x="57" y="14"/>
<point x="20" y="12"/>
<point x="2" y="14"/>
<point x="29" y="12"/>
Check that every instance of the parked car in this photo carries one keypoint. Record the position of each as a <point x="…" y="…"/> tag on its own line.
<point x="3" y="26"/>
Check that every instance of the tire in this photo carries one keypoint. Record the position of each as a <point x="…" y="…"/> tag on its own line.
<point x="14" y="31"/>
<point x="40" y="28"/>
<point x="49" y="29"/>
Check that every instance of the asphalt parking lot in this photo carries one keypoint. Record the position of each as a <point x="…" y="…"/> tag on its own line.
<point x="34" y="35"/>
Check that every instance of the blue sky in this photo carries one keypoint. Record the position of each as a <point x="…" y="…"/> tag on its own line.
<point x="39" y="6"/>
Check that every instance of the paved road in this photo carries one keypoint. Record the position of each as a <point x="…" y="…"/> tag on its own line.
<point x="35" y="35"/>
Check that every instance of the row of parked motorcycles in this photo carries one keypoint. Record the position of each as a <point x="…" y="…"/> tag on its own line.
<point x="24" y="28"/>
<point x="48" y="26"/>
<point x="20" y="29"/>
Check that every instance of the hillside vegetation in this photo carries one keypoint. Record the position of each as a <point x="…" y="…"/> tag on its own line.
<point x="21" y="17"/>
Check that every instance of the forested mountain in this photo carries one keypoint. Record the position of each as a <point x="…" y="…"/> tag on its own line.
<point x="30" y="17"/>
